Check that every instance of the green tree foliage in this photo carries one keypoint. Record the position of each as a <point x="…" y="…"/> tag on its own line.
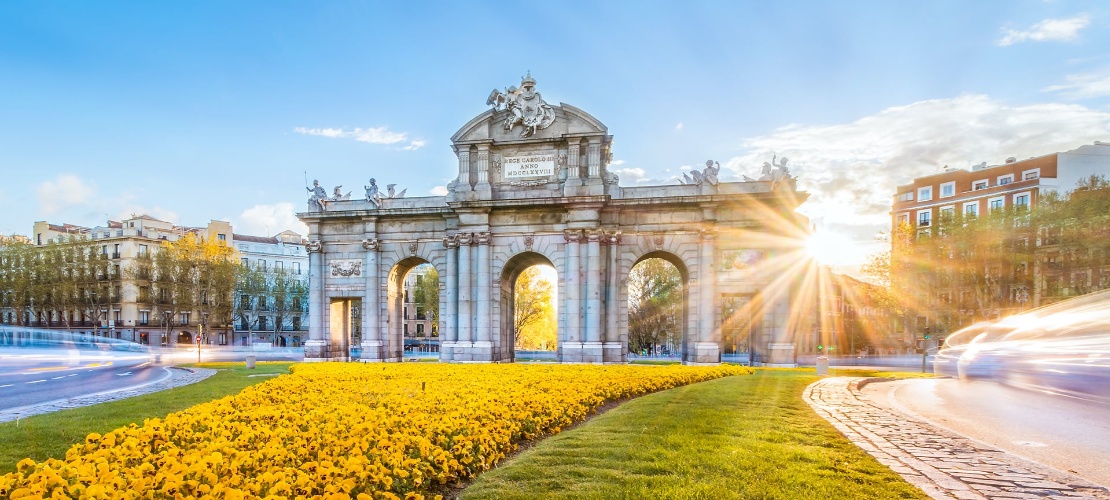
<point x="654" y="305"/>
<point x="426" y="295"/>
<point x="534" y="318"/>
<point x="68" y="282"/>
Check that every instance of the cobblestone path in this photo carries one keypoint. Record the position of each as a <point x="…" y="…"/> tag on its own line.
<point x="941" y="463"/>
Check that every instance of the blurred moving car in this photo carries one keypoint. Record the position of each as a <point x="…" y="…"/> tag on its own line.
<point x="1062" y="348"/>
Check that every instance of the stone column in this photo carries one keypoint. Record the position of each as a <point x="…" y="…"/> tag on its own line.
<point x="464" y="171"/>
<point x="613" y="350"/>
<point x="592" y="336"/>
<point x="483" y="322"/>
<point x="482" y="186"/>
<point x="574" y="171"/>
<point x="707" y="344"/>
<point x="593" y="158"/>
<point x="373" y="339"/>
<point x="572" y="345"/>
<point x="449" y="321"/>
<point x="466" y="334"/>
<point x="316" y="347"/>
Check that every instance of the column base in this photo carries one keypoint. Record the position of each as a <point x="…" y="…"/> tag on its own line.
<point x="614" y="352"/>
<point x="371" y="351"/>
<point x="315" y="350"/>
<point x="781" y="355"/>
<point x="472" y="352"/>
<point x="582" y="352"/>
<point x="703" y="353"/>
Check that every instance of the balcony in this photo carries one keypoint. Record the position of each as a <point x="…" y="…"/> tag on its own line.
<point x="115" y="255"/>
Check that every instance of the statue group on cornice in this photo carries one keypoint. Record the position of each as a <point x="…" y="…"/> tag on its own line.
<point x="318" y="197"/>
<point x="525" y="106"/>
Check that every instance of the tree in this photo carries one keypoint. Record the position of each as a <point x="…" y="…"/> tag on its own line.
<point x="426" y="296"/>
<point x="252" y="285"/>
<point x="534" y="318"/>
<point x="654" y="304"/>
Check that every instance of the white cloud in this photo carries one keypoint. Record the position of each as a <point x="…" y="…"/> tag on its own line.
<point x="679" y="126"/>
<point x="414" y="145"/>
<point x="1083" y="86"/>
<point x="132" y="210"/>
<point x="627" y="175"/>
<point x="374" y="135"/>
<point x="1047" y="30"/>
<point x="64" y="192"/>
<point x="616" y="163"/>
<point x="268" y="220"/>
<point x="851" y="170"/>
<point x="439" y="191"/>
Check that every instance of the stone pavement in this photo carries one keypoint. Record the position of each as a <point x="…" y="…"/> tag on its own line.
<point x="179" y="377"/>
<point x="941" y="463"/>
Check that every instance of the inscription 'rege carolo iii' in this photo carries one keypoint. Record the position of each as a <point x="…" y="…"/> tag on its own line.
<point x="540" y="165"/>
<point x="346" y="268"/>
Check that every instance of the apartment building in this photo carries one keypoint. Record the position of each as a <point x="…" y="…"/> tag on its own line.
<point x="132" y="316"/>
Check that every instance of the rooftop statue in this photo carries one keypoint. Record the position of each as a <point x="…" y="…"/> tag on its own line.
<point x="338" y="195"/>
<point x="372" y="194"/>
<point x="525" y="106"/>
<point x="318" y="197"/>
<point x="698" y="177"/>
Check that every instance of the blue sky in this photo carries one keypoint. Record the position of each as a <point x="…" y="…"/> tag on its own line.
<point x="191" y="111"/>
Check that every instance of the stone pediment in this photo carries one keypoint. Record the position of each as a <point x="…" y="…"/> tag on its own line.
<point x="490" y="127"/>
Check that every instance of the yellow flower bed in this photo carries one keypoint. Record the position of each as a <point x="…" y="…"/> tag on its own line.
<point x="343" y="430"/>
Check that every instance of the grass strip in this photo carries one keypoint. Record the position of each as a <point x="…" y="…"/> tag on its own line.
<point x="49" y="435"/>
<point x="736" y="437"/>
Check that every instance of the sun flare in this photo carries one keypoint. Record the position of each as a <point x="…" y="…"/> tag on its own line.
<point x="833" y="249"/>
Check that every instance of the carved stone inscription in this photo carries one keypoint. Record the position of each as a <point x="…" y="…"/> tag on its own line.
<point x="516" y="167"/>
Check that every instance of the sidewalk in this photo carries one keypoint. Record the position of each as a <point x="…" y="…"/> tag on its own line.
<point x="180" y="377"/>
<point x="942" y="464"/>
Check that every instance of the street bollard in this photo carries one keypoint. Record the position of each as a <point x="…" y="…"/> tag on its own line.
<point x="822" y="365"/>
<point x="250" y="361"/>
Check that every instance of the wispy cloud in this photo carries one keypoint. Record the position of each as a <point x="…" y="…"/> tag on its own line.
<point x="1047" y="30"/>
<point x="1083" y="86"/>
<point x="268" y="220"/>
<point x="373" y="135"/>
<point x="851" y="170"/>
<point x="439" y="191"/>
<point x="63" y="192"/>
<point x="679" y="126"/>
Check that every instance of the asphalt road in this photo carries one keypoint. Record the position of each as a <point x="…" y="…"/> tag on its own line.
<point x="1063" y="433"/>
<point x="30" y="377"/>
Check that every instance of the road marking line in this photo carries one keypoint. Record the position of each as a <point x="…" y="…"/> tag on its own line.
<point x="124" y="374"/>
<point x="56" y="378"/>
<point x="7" y="385"/>
<point x="37" y="381"/>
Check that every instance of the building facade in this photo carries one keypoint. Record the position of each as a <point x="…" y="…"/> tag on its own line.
<point x="133" y="314"/>
<point x="1006" y="270"/>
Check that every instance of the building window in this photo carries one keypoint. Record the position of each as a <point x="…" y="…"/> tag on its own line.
<point x="903" y="219"/>
<point x="977" y="185"/>
<point x="995" y="204"/>
<point x="221" y="237"/>
<point x="246" y="261"/>
<point x="1021" y="201"/>
<point x="262" y="264"/>
<point x="907" y="196"/>
<point x="971" y="209"/>
<point x="924" y="217"/>
<point x="296" y="268"/>
<point x="184" y="318"/>
<point x="948" y="189"/>
<point x="1005" y="179"/>
<point x="1031" y="174"/>
<point x="925" y="193"/>
<point x="946" y="213"/>
<point x="144" y="318"/>
<point x="143" y="249"/>
<point x="261" y="322"/>
<point x="279" y="265"/>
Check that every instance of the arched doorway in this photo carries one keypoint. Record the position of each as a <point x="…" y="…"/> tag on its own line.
<point x="658" y="312"/>
<point x="412" y="300"/>
<point x="529" y="287"/>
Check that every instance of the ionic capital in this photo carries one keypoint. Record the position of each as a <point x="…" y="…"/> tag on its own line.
<point x="483" y="238"/>
<point x="572" y="235"/>
<point x="451" y="241"/>
<point x="314" y="246"/>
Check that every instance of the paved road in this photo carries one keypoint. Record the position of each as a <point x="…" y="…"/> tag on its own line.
<point x="29" y="377"/>
<point x="942" y="463"/>
<point x="1064" y="433"/>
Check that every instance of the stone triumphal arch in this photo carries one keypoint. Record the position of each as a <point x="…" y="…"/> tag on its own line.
<point x="534" y="187"/>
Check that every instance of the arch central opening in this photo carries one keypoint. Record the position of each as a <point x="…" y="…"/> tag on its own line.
<point x="657" y="308"/>
<point x="530" y="326"/>
<point x="412" y="317"/>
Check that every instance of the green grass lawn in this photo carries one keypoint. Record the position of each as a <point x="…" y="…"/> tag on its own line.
<point x="737" y="437"/>
<point x="51" y="434"/>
